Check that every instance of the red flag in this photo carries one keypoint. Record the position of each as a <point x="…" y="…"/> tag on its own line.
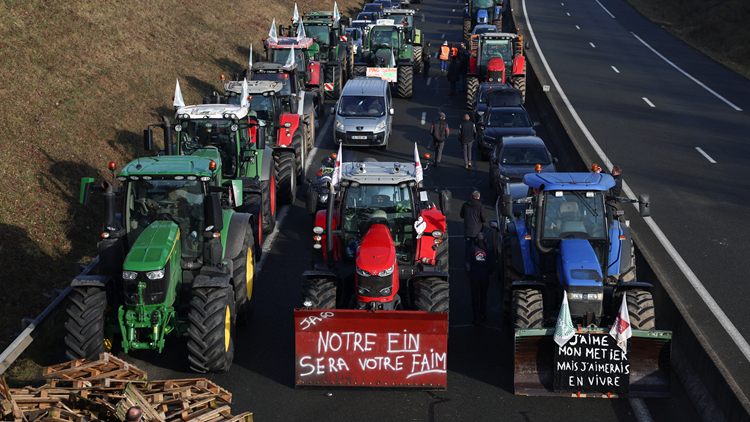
<point x="621" y="331"/>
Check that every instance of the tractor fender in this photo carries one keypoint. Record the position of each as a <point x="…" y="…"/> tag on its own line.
<point x="521" y="248"/>
<point x="528" y="284"/>
<point x="239" y="223"/>
<point x="212" y="281"/>
<point x="428" y="274"/>
<point x="310" y="101"/>
<point x="466" y="13"/>
<point x="294" y="120"/>
<point x="314" y="274"/>
<point x="334" y="63"/>
<point x="435" y="220"/>
<point x="632" y="285"/>
<point x="626" y="259"/>
<point x="91" y="281"/>
<point x="314" y="70"/>
<point x="267" y="167"/>
<point x="518" y="65"/>
<point x="320" y="221"/>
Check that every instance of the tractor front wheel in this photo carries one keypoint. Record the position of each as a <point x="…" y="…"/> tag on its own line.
<point x="418" y="62"/>
<point x="528" y="309"/>
<point x="360" y="70"/>
<point x="472" y="86"/>
<point x="442" y="256"/>
<point x="467" y="30"/>
<point x="432" y="295"/>
<point x="268" y="204"/>
<point x="299" y="157"/>
<point x="319" y="294"/>
<point x="311" y="132"/>
<point x="212" y="329"/>
<point x="498" y="24"/>
<point x="641" y="310"/>
<point x="286" y="182"/>
<point x="405" y="82"/>
<point x="85" y="324"/>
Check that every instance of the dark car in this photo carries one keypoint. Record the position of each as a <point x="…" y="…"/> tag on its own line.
<point x="499" y="122"/>
<point x="515" y="156"/>
<point x="368" y="17"/>
<point x="375" y="8"/>
<point x="388" y="4"/>
<point x="497" y="95"/>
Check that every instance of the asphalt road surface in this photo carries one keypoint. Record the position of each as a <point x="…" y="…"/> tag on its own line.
<point x="480" y="359"/>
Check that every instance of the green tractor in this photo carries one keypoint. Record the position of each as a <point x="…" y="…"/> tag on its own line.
<point x="175" y="260"/>
<point x="413" y="35"/>
<point x="389" y="56"/>
<point x="332" y="48"/>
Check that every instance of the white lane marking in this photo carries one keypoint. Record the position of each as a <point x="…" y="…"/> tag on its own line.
<point x="568" y="14"/>
<point x="648" y="102"/>
<point x="615" y="69"/>
<point x="578" y="27"/>
<point x="689" y="274"/>
<point x="428" y="81"/>
<point x="605" y="9"/>
<point x="592" y="45"/>
<point x="454" y="10"/>
<point x="640" y="410"/>
<point x="424" y="116"/>
<point x="562" y="4"/>
<point x="708" y="157"/>
<point x="443" y="36"/>
<point x="449" y="22"/>
<point x="687" y="74"/>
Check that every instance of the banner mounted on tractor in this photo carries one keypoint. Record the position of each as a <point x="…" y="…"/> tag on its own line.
<point x="337" y="348"/>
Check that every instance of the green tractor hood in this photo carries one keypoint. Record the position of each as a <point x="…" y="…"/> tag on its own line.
<point x="153" y="248"/>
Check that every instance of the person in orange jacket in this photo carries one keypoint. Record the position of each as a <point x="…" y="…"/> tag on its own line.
<point x="445" y="55"/>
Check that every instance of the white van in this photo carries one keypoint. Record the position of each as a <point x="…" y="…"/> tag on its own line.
<point x="363" y="113"/>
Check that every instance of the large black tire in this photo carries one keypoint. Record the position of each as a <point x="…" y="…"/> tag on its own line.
<point x="350" y="63"/>
<point x="432" y="295"/>
<point x="519" y="82"/>
<point x="286" y="182"/>
<point x="641" y="310"/>
<point x="333" y="75"/>
<point x="212" y="329"/>
<point x="268" y="204"/>
<point x="405" y="82"/>
<point x="467" y="30"/>
<point x="472" y="86"/>
<point x="498" y="24"/>
<point x="244" y="279"/>
<point x="299" y="156"/>
<point x="528" y="309"/>
<point x="85" y="324"/>
<point x="509" y="275"/>
<point x="442" y="256"/>
<point x="319" y="294"/>
<point x="311" y="201"/>
<point x="310" y="143"/>
<point x="360" y="70"/>
<point x="418" y="63"/>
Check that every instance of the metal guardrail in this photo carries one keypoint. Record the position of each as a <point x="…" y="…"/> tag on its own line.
<point x="19" y="345"/>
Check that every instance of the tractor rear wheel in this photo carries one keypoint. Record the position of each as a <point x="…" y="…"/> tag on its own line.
<point x="405" y="82"/>
<point x="498" y="24"/>
<point x="528" y="309"/>
<point x="299" y="157"/>
<point x="212" y="329"/>
<point x="333" y="75"/>
<point x="268" y="204"/>
<point x="319" y="294"/>
<point x="442" y="257"/>
<point x="467" y="29"/>
<point x="641" y="310"/>
<point x="311" y="132"/>
<point x="519" y="82"/>
<point x="472" y="86"/>
<point x="286" y="182"/>
<point x="311" y="201"/>
<point x="417" y="56"/>
<point x="350" y="63"/>
<point x="360" y="70"/>
<point x="244" y="278"/>
<point x="85" y="324"/>
<point x="432" y="295"/>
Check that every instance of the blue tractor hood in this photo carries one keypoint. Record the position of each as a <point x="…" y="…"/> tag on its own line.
<point x="570" y="181"/>
<point x="482" y="16"/>
<point x="578" y="265"/>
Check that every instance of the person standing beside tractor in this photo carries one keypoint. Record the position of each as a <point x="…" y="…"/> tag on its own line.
<point x="454" y="73"/>
<point x="426" y="60"/>
<point x="439" y="131"/>
<point x="616" y="190"/>
<point x="481" y="267"/>
<point x="445" y="55"/>
<point x="464" y="57"/>
<point x="474" y="218"/>
<point x="466" y="133"/>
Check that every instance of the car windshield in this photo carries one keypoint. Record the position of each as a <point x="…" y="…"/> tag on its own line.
<point x="574" y="214"/>
<point x="496" y="48"/>
<point x="379" y="204"/>
<point x="361" y="105"/>
<point x="503" y="118"/>
<point x="524" y="156"/>
<point x="180" y="201"/>
<point x="386" y="3"/>
<point x="318" y="31"/>
<point x="278" y="77"/>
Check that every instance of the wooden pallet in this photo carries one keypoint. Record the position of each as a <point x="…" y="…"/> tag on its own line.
<point x="80" y="373"/>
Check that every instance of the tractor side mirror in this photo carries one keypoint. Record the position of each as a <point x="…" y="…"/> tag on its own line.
<point x="535" y="124"/>
<point x="148" y="139"/>
<point x="237" y="192"/>
<point x="445" y="201"/>
<point x="333" y="110"/>
<point x="644" y="205"/>
<point x="86" y="184"/>
<point x="260" y="138"/>
<point x="281" y="30"/>
<point x="214" y="215"/>
<point x="507" y="205"/>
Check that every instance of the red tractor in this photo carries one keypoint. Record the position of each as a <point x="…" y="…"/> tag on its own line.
<point x="485" y="47"/>
<point x="278" y="51"/>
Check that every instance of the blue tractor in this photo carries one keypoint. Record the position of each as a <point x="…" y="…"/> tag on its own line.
<point x="571" y="237"/>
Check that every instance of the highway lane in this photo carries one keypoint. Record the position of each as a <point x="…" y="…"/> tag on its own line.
<point x="480" y="375"/>
<point x="650" y="118"/>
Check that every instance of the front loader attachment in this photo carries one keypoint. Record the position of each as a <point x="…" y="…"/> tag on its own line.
<point x="591" y="364"/>
<point x="344" y="348"/>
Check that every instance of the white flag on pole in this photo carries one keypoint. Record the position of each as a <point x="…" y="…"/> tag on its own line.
<point x="419" y="175"/>
<point x="272" y="32"/>
<point x="295" y="16"/>
<point x="564" y="330"/>
<point x="250" y="63"/>
<point x="178" y="101"/>
<point x="336" y="177"/>
<point x="290" y="60"/>
<point x="243" y="101"/>
<point x="301" y="31"/>
<point x="621" y="331"/>
<point x="336" y="14"/>
<point x="393" y="59"/>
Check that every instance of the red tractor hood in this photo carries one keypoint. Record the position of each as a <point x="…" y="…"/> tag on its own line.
<point x="377" y="251"/>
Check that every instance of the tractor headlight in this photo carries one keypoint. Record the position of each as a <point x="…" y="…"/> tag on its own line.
<point x="129" y="275"/>
<point x="155" y="275"/>
<point x="340" y="126"/>
<point x="362" y="273"/>
<point x="386" y="291"/>
<point x="437" y="234"/>
<point x="318" y="230"/>
<point x="586" y="296"/>
<point x="380" y="126"/>
<point x="387" y="272"/>
<point x="363" y="291"/>
<point x="323" y="198"/>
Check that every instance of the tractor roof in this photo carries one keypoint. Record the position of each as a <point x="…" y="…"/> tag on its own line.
<point x="211" y="111"/>
<point x="569" y="181"/>
<point x="388" y="12"/>
<point x="167" y="166"/>
<point x="377" y="173"/>
<point x="497" y="36"/>
<point x="271" y="67"/>
<point x="289" y="42"/>
<point x="254" y="87"/>
<point x="318" y="15"/>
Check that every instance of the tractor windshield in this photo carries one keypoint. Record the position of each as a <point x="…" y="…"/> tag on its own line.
<point x="179" y="201"/>
<point x="403" y="19"/>
<point x="481" y="4"/>
<point x="281" y="55"/>
<point x="319" y="33"/>
<point x="211" y="134"/>
<point x="496" y="48"/>
<point x="383" y="37"/>
<point x="379" y="204"/>
<point x="278" y="77"/>
<point x="574" y="214"/>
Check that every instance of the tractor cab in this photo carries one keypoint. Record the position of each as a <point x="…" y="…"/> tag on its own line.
<point x="405" y="18"/>
<point x="386" y="42"/>
<point x="278" y="51"/>
<point x="491" y="46"/>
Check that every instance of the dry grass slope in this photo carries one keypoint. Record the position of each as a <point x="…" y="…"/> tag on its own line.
<point x="79" y="82"/>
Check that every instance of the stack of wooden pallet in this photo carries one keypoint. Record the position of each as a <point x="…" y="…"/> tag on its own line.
<point x="103" y="390"/>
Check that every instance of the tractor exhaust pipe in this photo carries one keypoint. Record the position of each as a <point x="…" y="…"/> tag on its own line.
<point x="167" y="136"/>
<point x="329" y="224"/>
<point x="539" y="226"/>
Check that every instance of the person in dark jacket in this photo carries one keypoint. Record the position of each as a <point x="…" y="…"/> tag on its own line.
<point x="426" y="60"/>
<point x="454" y="74"/>
<point x="439" y="131"/>
<point x="474" y="218"/>
<point x="481" y="267"/>
<point x="463" y="56"/>
<point x="616" y="190"/>
<point x="467" y="132"/>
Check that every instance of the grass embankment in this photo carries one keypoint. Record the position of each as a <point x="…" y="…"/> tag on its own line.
<point x="79" y="82"/>
<point x="717" y="28"/>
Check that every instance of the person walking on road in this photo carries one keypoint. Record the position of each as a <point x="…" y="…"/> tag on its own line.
<point x="463" y="58"/>
<point x="445" y="55"/>
<point x="439" y="131"/>
<point x="474" y="218"/>
<point x="467" y="132"/>
<point x="454" y="74"/>
<point x="616" y="190"/>
<point x="481" y="267"/>
<point x="426" y="60"/>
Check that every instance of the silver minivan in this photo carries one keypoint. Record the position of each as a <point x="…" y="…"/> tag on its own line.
<point x="363" y="113"/>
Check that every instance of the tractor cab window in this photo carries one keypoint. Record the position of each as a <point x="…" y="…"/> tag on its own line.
<point x="496" y="48"/>
<point x="281" y="55"/>
<point x="379" y="204"/>
<point x="179" y="201"/>
<point x="383" y="37"/>
<point x="406" y="20"/>
<point x="211" y="134"/>
<point x="481" y="4"/>
<point x="277" y="77"/>
<point x="574" y="215"/>
<point x="321" y="36"/>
